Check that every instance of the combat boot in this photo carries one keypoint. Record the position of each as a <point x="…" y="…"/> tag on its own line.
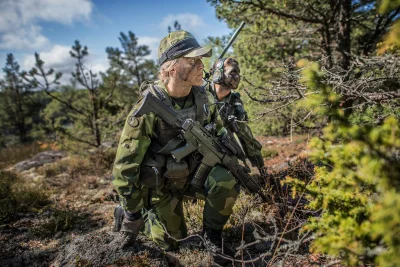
<point x="118" y="218"/>
<point x="129" y="232"/>
<point x="213" y="242"/>
<point x="128" y="225"/>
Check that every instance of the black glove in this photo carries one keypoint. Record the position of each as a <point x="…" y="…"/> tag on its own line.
<point x="257" y="161"/>
<point x="265" y="178"/>
<point x="263" y="171"/>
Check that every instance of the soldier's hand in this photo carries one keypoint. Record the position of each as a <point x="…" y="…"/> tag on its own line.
<point x="257" y="161"/>
<point x="264" y="175"/>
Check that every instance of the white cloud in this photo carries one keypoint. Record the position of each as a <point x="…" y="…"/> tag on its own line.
<point x="152" y="43"/>
<point x="59" y="58"/>
<point x="28" y="37"/>
<point x="188" y="21"/>
<point x="61" y="11"/>
<point x="19" y="20"/>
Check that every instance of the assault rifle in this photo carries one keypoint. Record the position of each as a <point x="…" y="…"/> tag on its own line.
<point x="198" y="138"/>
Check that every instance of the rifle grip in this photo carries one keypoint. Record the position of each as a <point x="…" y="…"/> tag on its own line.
<point x="200" y="175"/>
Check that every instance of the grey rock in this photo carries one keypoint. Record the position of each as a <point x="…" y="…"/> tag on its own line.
<point x="39" y="160"/>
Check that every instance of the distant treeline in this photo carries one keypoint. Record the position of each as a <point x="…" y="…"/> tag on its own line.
<point x="89" y="109"/>
<point x="345" y="37"/>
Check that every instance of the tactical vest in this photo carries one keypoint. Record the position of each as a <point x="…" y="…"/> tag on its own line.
<point x="234" y="107"/>
<point x="172" y="175"/>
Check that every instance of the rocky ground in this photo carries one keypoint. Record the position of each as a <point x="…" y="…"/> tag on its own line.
<point x="83" y="204"/>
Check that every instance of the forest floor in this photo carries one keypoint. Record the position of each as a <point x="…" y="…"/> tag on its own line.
<point x="75" y="229"/>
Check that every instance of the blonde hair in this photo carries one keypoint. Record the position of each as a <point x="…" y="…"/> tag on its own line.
<point x="166" y="67"/>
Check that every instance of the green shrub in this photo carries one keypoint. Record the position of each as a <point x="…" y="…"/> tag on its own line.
<point x="357" y="183"/>
<point x="194" y="215"/>
<point x="269" y="153"/>
<point x="17" y="196"/>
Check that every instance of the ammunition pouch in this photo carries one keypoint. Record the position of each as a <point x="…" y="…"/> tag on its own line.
<point x="176" y="174"/>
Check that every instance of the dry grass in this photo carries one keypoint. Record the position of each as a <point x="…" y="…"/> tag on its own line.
<point x="194" y="215"/>
<point x="61" y="220"/>
<point x="19" y="196"/>
<point x="75" y="166"/>
<point x="17" y="153"/>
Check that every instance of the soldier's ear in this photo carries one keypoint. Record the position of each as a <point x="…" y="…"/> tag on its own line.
<point x="174" y="68"/>
<point x="172" y="71"/>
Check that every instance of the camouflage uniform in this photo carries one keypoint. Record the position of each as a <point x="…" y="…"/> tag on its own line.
<point x="142" y="146"/>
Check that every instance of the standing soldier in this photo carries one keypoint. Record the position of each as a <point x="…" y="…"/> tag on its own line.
<point x="147" y="176"/>
<point x="226" y="77"/>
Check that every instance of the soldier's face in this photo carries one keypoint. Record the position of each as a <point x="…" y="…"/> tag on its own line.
<point x="231" y="75"/>
<point x="190" y="70"/>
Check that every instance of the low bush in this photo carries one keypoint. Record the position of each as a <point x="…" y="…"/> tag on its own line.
<point x="97" y="163"/>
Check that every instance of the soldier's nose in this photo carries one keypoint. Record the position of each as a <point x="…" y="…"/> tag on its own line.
<point x="201" y="65"/>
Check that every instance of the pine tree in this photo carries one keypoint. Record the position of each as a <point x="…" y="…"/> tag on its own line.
<point x="14" y="98"/>
<point x="131" y="61"/>
<point x="279" y="33"/>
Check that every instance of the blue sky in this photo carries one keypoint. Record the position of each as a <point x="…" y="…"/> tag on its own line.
<point x="50" y="27"/>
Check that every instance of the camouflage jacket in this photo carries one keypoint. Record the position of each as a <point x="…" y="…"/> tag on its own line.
<point x="138" y="135"/>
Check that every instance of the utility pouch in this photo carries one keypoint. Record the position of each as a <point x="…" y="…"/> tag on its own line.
<point x="177" y="173"/>
<point x="151" y="177"/>
<point x="176" y="170"/>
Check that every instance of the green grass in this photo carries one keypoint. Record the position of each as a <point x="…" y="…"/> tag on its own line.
<point x="269" y="153"/>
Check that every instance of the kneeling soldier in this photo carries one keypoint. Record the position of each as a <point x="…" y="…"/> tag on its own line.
<point x="148" y="177"/>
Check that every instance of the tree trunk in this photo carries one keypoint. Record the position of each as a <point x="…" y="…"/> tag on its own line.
<point x="95" y="117"/>
<point x="343" y="31"/>
<point x="20" y="120"/>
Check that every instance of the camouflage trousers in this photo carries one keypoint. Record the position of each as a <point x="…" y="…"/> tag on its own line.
<point x="165" y="212"/>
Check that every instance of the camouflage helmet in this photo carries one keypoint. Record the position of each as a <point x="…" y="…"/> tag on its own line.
<point x="180" y="44"/>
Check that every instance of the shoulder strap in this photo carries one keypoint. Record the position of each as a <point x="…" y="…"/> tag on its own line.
<point x="234" y="97"/>
<point x="200" y="98"/>
<point x="156" y="91"/>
